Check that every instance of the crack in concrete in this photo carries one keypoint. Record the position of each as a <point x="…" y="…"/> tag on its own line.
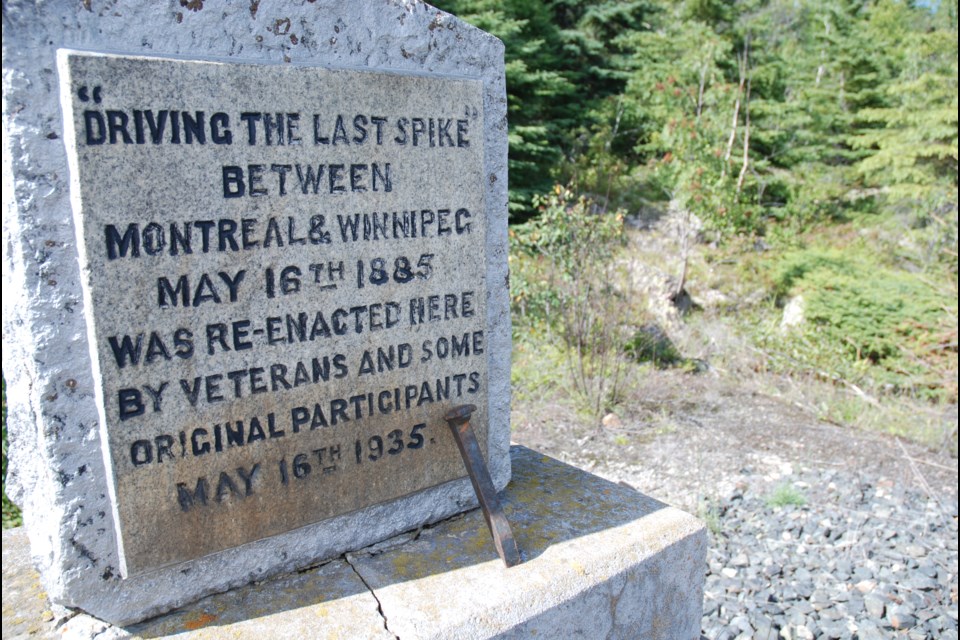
<point x="373" y="593"/>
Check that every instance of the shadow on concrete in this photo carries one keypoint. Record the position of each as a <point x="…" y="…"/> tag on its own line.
<point x="668" y="593"/>
<point x="550" y="505"/>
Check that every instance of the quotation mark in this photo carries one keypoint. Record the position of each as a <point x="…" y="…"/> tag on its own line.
<point x="84" y="95"/>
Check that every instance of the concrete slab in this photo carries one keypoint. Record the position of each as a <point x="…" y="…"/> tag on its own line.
<point x="601" y="561"/>
<point x="329" y="601"/>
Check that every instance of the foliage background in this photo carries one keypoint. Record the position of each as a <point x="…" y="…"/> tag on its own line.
<point x="749" y="112"/>
<point x="811" y="146"/>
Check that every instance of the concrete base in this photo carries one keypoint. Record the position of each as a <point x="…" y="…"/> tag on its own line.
<point x="600" y="561"/>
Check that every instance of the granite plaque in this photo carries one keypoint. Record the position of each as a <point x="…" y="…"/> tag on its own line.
<point x="284" y="273"/>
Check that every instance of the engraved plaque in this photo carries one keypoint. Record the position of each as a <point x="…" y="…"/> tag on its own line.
<point x="283" y="273"/>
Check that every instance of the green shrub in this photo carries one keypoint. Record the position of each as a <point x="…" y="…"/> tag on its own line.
<point x="564" y="284"/>
<point x="651" y="344"/>
<point x="893" y="329"/>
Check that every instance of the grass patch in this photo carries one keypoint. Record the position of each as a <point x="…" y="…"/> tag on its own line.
<point x="651" y="344"/>
<point x="538" y="365"/>
<point x="709" y="512"/>
<point x="877" y="349"/>
<point x="843" y="404"/>
<point x="621" y="440"/>
<point x="786" y="495"/>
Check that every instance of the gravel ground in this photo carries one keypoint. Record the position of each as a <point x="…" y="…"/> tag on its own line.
<point x="816" y="530"/>
<point x="829" y="554"/>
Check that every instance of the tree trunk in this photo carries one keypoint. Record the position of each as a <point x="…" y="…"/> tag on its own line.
<point x="745" y="74"/>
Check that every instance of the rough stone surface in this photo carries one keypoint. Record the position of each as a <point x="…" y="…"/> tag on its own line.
<point x="58" y="471"/>
<point x="793" y="314"/>
<point x="601" y="560"/>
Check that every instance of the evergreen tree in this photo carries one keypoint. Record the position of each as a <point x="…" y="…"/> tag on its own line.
<point x="826" y="69"/>
<point x="536" y="90"/>
<point x="691" y="115"/>
<point x="564" y="58"/>
<point x="913" y="150"/>
<point x="787" y="110"/>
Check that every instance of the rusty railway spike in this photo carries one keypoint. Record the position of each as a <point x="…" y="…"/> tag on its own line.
<point x="458" y="419"/>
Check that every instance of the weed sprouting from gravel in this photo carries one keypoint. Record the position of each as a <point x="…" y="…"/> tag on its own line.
<point x="786" y="495"/>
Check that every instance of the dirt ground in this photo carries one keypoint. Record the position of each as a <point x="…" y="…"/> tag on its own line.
<point x="689" y="439"/>
<point x="692" y="438"/>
